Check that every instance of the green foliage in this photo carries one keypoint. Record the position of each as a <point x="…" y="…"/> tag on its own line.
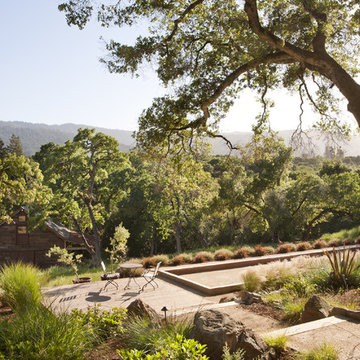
<point x="118" y="247"/>
<point x="142" y="334"/>
<point x="343" y="234"/>
<point x="251" y="281"/>
<point x="64" y="257"/>
<point x="20" y="183"/>
<point x="323" y="352"/>
<point x="299" y="287"/>
<point x="14" y="146"/>
<point x="176" y="349"/>
<point x="277" y="342"/>
<point x="223" y="254"/>
<point x="38" y="334"/>
<point x="343" y="265"/>
<point x="293" y="309"/>
<point x="21" y="287"/>
<point x="103" y="324"/>
<point x="237" y="355"/>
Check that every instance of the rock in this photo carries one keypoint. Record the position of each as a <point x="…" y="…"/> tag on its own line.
<point x="353" y="314"/>
<point x="227" y="299"/>
<point x="249" y="298"/>
<point x="215" y="329"/>
<point x="139" y="308"/>
<point x="316" y="308"/>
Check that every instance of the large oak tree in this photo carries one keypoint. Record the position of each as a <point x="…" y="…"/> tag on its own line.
<point x="209" y="50"/>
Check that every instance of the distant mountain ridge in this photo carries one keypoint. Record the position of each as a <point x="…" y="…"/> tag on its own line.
<point x="32" y="136"/>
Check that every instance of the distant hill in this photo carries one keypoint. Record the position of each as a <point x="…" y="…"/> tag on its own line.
<point x="32" y="136"/>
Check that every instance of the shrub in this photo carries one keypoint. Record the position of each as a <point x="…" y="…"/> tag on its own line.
<point x="64" y="257"/>
<point x="252" y="281"/>
<point x="38" y="334"/>
<point x="293" y="309"/>
<point x="323" y="352"/>
<point x="285" y="248"/>
<point x="303" y="246"/>
<point x="163" y="258"/>
<point x="21" y="286"/>
<point x="181" y="259"/>
<point x="240" y="254"/>
<point x="349" y="241"/>
<point x="299" y="286"/>
<point x="118" y="245"/>
<point x="259" y="250"/>
<point x="269" y="250"/>
<point x="249" y="250"/>
<point x="223" y="254"/>
<point x="203" y="256"/>
<point x="237" y="355"/>
<point x="343" y="264"/>
<point x="148" y="262"/>
<point x="177" y="349"/>
<point x="142" y="334"/>
<point x="357" y="240"/>
<point x="278" y="343"/>
<point x="319" y="244"/>
<point x="102" y="323"/>
<point x="335" y="242"/>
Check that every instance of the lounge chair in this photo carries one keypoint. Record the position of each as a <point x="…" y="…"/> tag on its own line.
<point x="109" y="277"/>
<point x="150" y="276"/>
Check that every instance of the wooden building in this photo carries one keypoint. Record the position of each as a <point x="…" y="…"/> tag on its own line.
<point x="18" y="244"/>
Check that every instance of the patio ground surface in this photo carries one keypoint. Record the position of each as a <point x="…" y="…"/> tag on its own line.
<point x="181" y="300"/>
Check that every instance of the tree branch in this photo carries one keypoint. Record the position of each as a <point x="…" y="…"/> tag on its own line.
<point x="274" y="41"/>
<point x="181" y="18"/>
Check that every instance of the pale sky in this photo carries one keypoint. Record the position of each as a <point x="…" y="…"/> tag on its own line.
<point x="50" y="73"/>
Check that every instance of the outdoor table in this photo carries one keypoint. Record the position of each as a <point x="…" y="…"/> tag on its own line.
<point x="131" y="275"/>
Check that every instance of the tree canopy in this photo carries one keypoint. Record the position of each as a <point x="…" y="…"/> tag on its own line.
<point x="207" y="51"/>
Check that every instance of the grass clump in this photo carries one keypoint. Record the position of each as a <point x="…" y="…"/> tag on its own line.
<point x="335" y="242"/>
<point x="142" y="334"/>
<point x="259" y="250"/>
<point x="203" y="256"/>
<point x="252" y="281"/>
<point x="303" y="246"/>
<point x="249" y="250"/>
<point x="223" y="254"/>
<point x="20" y="285"/>
<point x="240" y="254"/>
<point x="285" y="248"/>
<point x="181" y="259"/>
<point x="324" y="352"/>
<point x="319" y="244"/>
<point x="278" y="343"/>
<point x="293" y="309"/>
<point x="38" y="334"/>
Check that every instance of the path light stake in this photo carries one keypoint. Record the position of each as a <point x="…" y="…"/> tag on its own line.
<point x="164" y="309"/>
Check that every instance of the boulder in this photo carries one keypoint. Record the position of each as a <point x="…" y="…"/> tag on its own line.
<point x="316" y="308"/>
<point x="139" y="308"/>
<point x="338" y="311"/>
<point x="215" y="329"/>
<point x="249" y="298"/>
<point x="229" y="298"/>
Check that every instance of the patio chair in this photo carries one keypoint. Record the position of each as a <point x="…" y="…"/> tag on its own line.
<point x="109" y="277"/>
<point x="150" y="276"/>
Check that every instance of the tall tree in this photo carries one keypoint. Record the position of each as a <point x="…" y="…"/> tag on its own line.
<point x="209" y="50"/>
<point x="2" y="149"/>
<point x="14" y="146"/>
<point x="78" y="172"/>
<point x="20" y="184"/>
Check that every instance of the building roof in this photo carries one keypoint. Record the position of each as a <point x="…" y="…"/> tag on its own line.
<point x="66" y="234"/>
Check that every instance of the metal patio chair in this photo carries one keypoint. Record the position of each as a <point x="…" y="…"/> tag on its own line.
<point x="150" y="276"/>
<point x="109" y="277"/>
